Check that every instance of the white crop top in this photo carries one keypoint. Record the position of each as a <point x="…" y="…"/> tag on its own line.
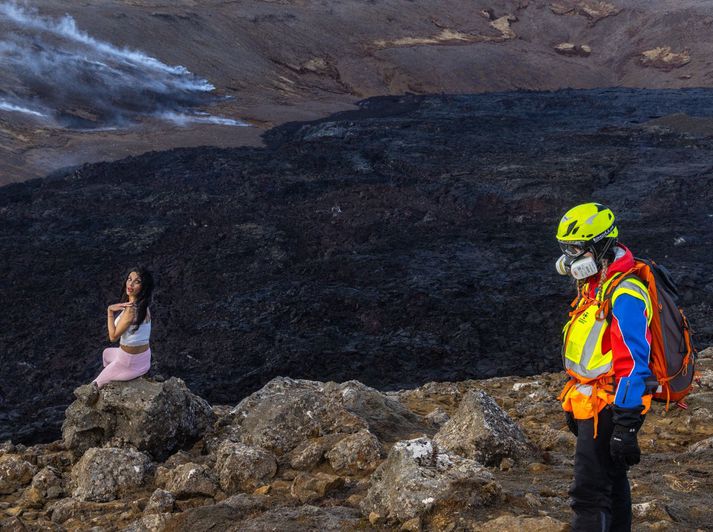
<point x="140" y="337"/>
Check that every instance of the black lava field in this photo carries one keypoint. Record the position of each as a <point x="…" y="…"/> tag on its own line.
<point x="407" y="241"/>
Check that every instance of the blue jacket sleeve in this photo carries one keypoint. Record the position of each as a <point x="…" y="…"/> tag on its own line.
<point x="631" y="347"/>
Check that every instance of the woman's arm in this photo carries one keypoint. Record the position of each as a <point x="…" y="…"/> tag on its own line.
<point x="126" y="319"/>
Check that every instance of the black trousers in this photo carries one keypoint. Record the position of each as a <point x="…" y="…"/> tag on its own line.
<point x="601" y="498"/>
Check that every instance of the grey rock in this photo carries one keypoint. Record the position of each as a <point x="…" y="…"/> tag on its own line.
<point x="310" y="453"/>
<point x="388" y="419"/>
<point x="356" y="453"/>
<point x="190" y="480"/>
<point x="64" y="509"/>
<point x="48" y="480"/>
<point x="161" y="501"/>
<point x="245" y="513"/>
<point x="303" y="518"/>
<point x="176" y="459"/>
<point x="47" y="484"/>
<point x="701" y="447"/>
<point x="705" y="378"/>
<point x="308" y="487"/>
<point x="103" y="475"/>
<point x="705" y="353"/>
<point x="157" y="418"/>
<point x="416" y="479"/>
<point x="224" y="516"/>
<point x="12" y="524"/>
<point x="15" y="473"/>
<point x="482" y="431"/>
<point x="240" y="467"/>
<point x="149" y="523"/>
<point x="437" y="417"/>
<point x="650" y="511"/>
<point x="285" y="412"/>
<point x="7" y="447"/>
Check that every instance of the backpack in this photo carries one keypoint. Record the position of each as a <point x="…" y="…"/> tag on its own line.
<point x="672" y="359"/>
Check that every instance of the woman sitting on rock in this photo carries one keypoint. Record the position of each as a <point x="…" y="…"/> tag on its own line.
<point x="132" y="327"/>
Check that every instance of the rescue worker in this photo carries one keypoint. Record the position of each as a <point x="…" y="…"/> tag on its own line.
<point x="606" y="353"/>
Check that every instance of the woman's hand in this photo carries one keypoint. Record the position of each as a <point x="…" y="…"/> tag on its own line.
<point x="118" y="306"/>
<point x="125" y="320"/>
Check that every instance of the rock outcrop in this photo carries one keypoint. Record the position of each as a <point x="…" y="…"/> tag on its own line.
<point x="102" y="475"/>
<point x="287" y="412"/>
<point x="310" y="487"/>
<point x="417" y="480"/>
<point x="356" y="453"/>
<point x="242" y="468"/>
<point x="664" y="58"/>
<point x="480" y="472"/>
<point x="46" y="485"/>
<point x="189" y="480"/>
<point x="161" y="501"/>
<point x="156" y="417"/>
<point x="482" y="431"/>
<point x="593" y="10"/>
<point x="571" y="49"/>
<point x="14" y="473"/>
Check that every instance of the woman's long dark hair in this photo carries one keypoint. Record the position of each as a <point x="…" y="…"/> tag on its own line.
<point x="144" y="298"/>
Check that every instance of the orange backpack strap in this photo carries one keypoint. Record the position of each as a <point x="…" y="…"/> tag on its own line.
<point x="606" y="305"/>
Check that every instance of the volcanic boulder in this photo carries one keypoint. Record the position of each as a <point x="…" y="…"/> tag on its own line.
<point x="102" y="475"/>
<point x="664" y="58"/>
<point x="571" y="49"/>
<point x="161" y="501"/>
<point x="14" y="473"/>
<point x="388" y="419"/>
<point x="416" y="479"/>
<point x="482" y="431"/>
<point x="47" y="484"/>
<point x="285" y="412"/>
<point x="240" y="467"/>
<point x="309" y="487"/>
<point x="243" y="513"/>
<point x="189" y="480"/>
<point x="156" y="417"/>
<point x="310" y="453"/>
<point x="356" y="453"/>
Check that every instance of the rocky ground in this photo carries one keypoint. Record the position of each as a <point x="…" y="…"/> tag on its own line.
<point x="296" y="60"/>
<point x="475" y="455"/>
<point x="409" y="241"/>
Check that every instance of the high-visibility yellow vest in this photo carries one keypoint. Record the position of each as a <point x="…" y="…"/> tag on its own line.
<point x="591" y="369"/>
<point x="582" y="335"/>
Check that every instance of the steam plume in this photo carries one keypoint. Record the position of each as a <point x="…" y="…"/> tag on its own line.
<point x="51" y="69"/>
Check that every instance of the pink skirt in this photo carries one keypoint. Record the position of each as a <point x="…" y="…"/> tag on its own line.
<point x="122" y="366"/>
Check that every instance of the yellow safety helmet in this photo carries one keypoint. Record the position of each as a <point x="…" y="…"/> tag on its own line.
<point x="587" y="227"/>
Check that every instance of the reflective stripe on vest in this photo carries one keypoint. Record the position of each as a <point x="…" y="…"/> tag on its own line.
<point x="582" y="349"/>
<point x="637" y="289"/>
<point x="584" y="389"/>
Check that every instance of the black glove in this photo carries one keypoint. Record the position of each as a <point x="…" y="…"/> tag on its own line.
<point x="571" y="423"/>
<point x="624" y="446"/>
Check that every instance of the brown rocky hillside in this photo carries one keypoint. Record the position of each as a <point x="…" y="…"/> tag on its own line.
<point x="296" y="60"/>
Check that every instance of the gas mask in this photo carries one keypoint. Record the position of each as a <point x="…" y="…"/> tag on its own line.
<point x="579" y="268"/>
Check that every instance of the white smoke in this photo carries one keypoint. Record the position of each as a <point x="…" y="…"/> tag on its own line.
<point x="200" y="118"/>
<point x="7" y="106"/>
<point x="83" y="82"/>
